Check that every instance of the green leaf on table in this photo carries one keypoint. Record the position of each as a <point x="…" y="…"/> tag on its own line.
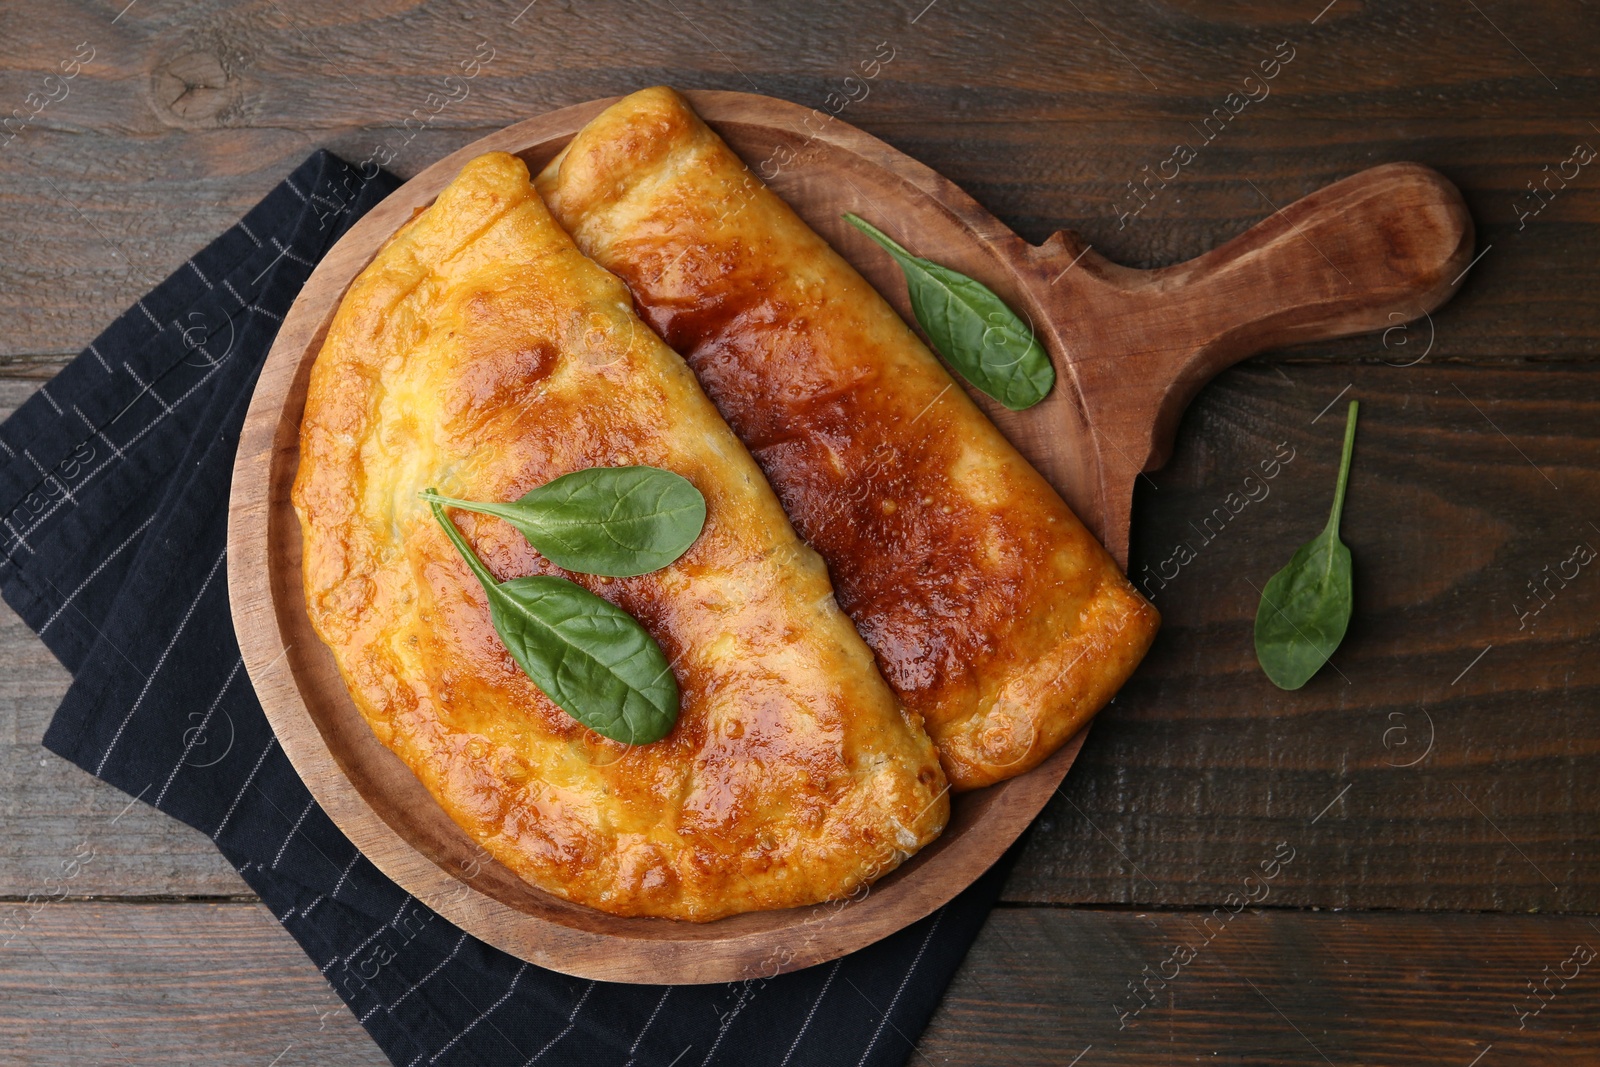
<point x="1305" y="608"/>
<point x="586" y="654"/>
<point x="972" y="328"/>
<point x="615" y="521"/>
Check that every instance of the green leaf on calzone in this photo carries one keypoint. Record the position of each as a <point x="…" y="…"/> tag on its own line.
<point x="615" y="521"/>
<point x="586" y="654"/>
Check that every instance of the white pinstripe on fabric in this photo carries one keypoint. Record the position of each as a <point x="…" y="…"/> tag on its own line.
<point x="917" y="959"/>
<point x="359" y="949"/>
<point x="192" y="265"/>
<point x="420" y="982"/>
<point x="171" y="643"/>
<point x="746" y="995"/>
<point x="448" y="1045"/>
<point x="48" y="399"/>
<point x="240" y="796"/>
<point x="639" y="1038"/>
<point x="320" y="897"/>
<point x="340" y="883"/>
<point x="353" y="953"/>
<point x="153" y="320"/>
<point x="146" y="389"/>
<point x="248" y="232"/>
<point x="95" y="431"/>
<point x="812" y="1014"/>
<point x="572" y="1020"/>
<point x="292" y="831"/>
<point x="102" y="565"/>
<point x="87" y="421"/>
<point x="96" y="353"/>
<point x="362" y="947"/>
<point x="198" y="732"/>
<point x="288" y="253"/>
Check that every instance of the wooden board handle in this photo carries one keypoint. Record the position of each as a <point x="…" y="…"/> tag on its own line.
<point x="1374" y="250"/>
<point x="1377" y="249"/>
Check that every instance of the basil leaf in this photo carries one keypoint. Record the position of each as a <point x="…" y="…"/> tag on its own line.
<point x="615" y="521"/>
<point x="972" y="328"/>
<point x="1305" y="608"/>
<point x="586" y="654"/>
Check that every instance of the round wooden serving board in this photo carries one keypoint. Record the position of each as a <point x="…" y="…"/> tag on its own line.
<point x="1131" y="348"/>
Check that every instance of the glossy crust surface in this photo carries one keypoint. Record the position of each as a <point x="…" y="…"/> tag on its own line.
<point x="481" y="353"/>
<point x="993" y="613"/>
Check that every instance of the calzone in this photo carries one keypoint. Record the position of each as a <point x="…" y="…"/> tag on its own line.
<point x="993" y="613"/>
<point x="481" y="353"/>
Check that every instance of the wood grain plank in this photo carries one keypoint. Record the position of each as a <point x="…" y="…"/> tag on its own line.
<point x="40" y="368"/>
<point x="1033" y="113"/>
<point x="214" y="984"/>
<point x="223" y="985"/>
<point x="1268" y="987"/>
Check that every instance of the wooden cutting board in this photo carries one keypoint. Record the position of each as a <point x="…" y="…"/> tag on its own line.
<point x="1131" y="347"/>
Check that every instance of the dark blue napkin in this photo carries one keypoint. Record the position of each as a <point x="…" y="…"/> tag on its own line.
<point x="114" y="484"/>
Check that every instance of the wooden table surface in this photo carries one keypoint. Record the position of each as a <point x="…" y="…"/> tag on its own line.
<point x="1433" y="797"/>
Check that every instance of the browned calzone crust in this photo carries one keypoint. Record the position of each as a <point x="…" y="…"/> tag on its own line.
<point x="481" y="353"/>
<point x="993" y="612"/>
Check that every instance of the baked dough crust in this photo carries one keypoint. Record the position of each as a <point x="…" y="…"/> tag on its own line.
<point x="481" y="353"/>
<point x="993" y="612"/>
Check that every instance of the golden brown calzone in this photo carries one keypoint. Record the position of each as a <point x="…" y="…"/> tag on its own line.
<point x="993" y="612"/>
<point x="481" y="353"/>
